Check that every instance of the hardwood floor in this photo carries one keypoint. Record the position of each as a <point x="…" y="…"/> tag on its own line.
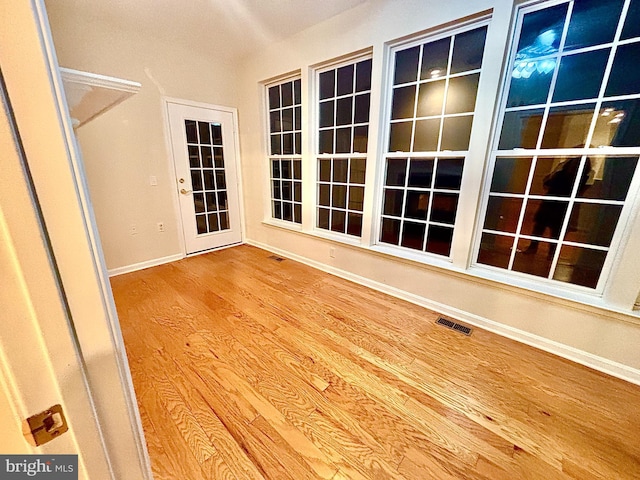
<point x="249" y="368"/>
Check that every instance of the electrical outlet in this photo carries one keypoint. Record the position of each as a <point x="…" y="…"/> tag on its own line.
<point x="133" y="230"/>
<point x="161" y="226"/>
<point x="153" y="180"/>
<point x="332" y="252"/>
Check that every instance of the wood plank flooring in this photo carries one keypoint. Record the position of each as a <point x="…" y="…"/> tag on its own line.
<point x="249" y="368"/>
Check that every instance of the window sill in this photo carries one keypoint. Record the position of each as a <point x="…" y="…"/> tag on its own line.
<point x="272" y="222"/>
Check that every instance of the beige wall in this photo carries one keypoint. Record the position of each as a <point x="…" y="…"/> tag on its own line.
<point x="583" y="332"/>
<point x="125" y="146"/>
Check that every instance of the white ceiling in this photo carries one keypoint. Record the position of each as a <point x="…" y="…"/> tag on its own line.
<point x="240" y="25"/>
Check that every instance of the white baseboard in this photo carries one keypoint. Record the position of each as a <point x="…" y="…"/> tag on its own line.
<point x="142" y="265"/>
<point x="587" y="359"/>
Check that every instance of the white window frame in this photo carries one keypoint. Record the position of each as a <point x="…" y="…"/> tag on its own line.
<point x="629" y="210"/>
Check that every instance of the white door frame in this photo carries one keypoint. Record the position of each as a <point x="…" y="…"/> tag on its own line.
<point x="57" y="175"/>
<point x="172" y="165"/>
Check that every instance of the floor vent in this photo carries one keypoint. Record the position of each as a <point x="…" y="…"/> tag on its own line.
<point x="454" y="326"/>
<point x="276" y="258"/>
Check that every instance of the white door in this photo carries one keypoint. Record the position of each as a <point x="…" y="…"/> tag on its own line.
<point x="205" y="156"/>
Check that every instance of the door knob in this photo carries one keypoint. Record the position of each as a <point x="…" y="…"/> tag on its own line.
<point x="185" y="192"/>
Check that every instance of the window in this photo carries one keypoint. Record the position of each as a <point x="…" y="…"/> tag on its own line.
<point x="285" y="139"/>
<point x="343" y="132"/>
<point x="433" y="99"/>
<point x="568" y="141"/>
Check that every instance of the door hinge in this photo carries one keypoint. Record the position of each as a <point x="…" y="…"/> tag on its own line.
<point x="45" y="426"/>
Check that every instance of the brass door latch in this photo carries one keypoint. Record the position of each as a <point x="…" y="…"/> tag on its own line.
<point x="45" y="426"/>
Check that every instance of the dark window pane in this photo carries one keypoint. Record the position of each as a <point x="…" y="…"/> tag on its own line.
<point x="216" y="133"/>
<point x="325" y="170"/>
<point x="287" y="211"/>
<point x="625" y="73"/>
<point x="276" y="147"/>
<point x="567" y="127"/>
<point x="345" y="80"/>
<point x="413" y="235"/>
<point x="297" y="169"/>
<point x="495" y="250"/>
<point x="543" y="26"/>
<point x="362" y="108"/>
<point x="406" y="66"/>
<point x="218" y="157"/>
<point x="396" y="172"/>
<point x="323" y="218"/>
<point x="222" y="201"/>
<point x="468" y="49"/>
<point x="456" y="132"/>
<point x="274" y="97"/>
<point x="286" y="168"/>
<point x="502" y="214"/>
<point x="297" y="213"/>
<point x="201" y="224"/>
<point x="510" y="175"/>
<point x="557" y="176"/>
<point x="297" y="123"/>
<point x="198" y="202"/>
<point x="393" y="202"/>
<point x="357" y="170"/>
<point x="632" y="23"/>
<point x="363" y="76"/>
<point x="420" y="173"/>
<point x="205" y="134"/>
<point x="275" y="168"/>
<point x="593" y="22"/>
<point x="532" y="89"/>
<point x="580" y="76"/>
<point x="196" y="181"/>
<point x="212" y="201"/>
<point x="340" y="170"/>
<point x="207" y="157"/>
<point x="354" y="224"/>
<point x="297" y="142"/>
<point x="426" y="136"/>
<point x="287" y="94"/>
<point x="520" y="129"/>
<point x="339" y="196"/>
<point x="403" y="102"/>
<point x="326" y="141"/>
<point x="327" y="84"/>
<point x="611" y="178"/>
<point x="343" y="140"/>
<point x="224" y="221"/>
<point x="356" y="198"/>
<point x="449" y="173"/>
<point x="417" y="205"/>
<point x="190" y="128"/>
<point x="214" y="225"/>
<point x="390" y="231"/>
<point x="277" y="195"/>
<point x="360" y="138"/>
<point x="543" y="218"/>
<point x="338" y="221"/>
<point x="536" y="262"/>
<point x="326" y="114"/>
<point x="297" y="191"/>
<point x="430" y="98"/>
<point x="287" y="119"/>
<point x="221" y="182"/>
<point x="435" y="58"/>
<point x="277" y="210"/>
<point x="297" y="97"/>
<point x="592" y="223"/>
<point x="461" y="95"/>
<point x="444" y="207"/>
<point x="439" y="240"/>
<point x="580" y="266"/>
<point x="194" y="158"/>
<point x="344" y="111"/>
<point x="400" y="137"/>
<point x="287" y="191"/>
<point x="287" y="144"/>
<point x="209" y="183"/>
<point x="618" y="124"/>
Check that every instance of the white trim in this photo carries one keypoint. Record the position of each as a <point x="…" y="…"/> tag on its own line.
<point x="581" y="357"/>
<point x="146" y="264"/>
